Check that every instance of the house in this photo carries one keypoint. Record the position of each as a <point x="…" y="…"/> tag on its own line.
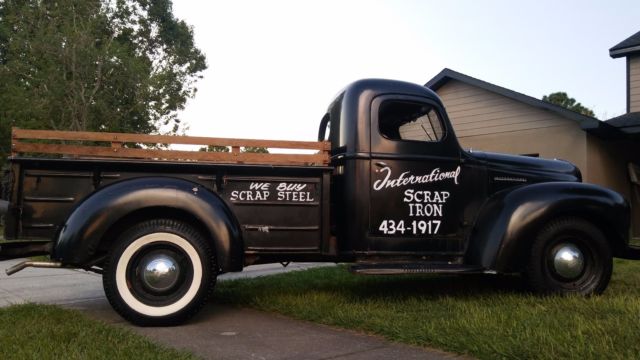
<point x="488" y="117"/>
<point x="630" y="49"/>
<point x="628" y="125"/>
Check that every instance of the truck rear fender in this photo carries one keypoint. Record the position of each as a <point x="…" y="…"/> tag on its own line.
<point x="97" y="221"/>
<point x="509" y="221"/>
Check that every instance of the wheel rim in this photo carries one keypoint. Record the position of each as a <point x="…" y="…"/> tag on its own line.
<point x="159" y="290"/>
<point x="571" y="262"/>
<point x="568" y="261"/>
<point x="160" y="272"/>
<point x="163" y="295"/>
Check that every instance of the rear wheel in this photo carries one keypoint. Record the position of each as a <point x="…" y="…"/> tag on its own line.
<point x="160" y="272"/>
<point x="570" y="256"/>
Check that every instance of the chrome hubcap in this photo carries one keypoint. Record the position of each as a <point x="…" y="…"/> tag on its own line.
<point x="568" y="261"/>
<point x="160" y="272"/>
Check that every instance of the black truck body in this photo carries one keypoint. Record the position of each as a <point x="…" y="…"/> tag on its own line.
<point x="398" y="196"/>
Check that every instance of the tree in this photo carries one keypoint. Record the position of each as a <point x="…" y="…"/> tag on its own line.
<point x="255" y="149"/>
<point x="246" y="149"/>
<point x="562" y="99"/>
<point x="99" y="65"/>
<point x="215" y="148"/>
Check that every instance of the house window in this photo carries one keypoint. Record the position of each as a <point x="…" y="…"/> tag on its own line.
<point x="411" y="121"/>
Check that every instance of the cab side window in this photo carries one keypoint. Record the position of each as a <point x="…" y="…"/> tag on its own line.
<point x="410" y="121"/>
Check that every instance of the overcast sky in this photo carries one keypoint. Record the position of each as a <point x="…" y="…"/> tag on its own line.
<point x="274" y="66"/>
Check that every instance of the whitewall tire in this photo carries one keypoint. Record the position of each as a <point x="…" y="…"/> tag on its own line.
<point x="160" y="272"/>
<point x="570" y="256"/>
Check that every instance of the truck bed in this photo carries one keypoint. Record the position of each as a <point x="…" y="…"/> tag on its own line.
<point x="281" y="201"/>
<point x="279" y="208"/>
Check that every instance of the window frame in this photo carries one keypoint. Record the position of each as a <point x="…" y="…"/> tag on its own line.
<point x="419" y="101"/>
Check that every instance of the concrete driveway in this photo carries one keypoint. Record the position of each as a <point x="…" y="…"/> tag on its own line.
<point x="217" y="332"/>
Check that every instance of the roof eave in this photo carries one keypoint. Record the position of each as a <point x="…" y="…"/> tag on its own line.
<point x="586" y="122"/>
<point x="618" y="53"/>
<point x="604" y="131"/>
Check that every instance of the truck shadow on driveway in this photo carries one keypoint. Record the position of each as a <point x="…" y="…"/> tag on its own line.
<point x="378" y="288"/>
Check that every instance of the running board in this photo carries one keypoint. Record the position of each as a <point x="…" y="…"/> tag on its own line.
<point x="4" y="207"/>
<point x="414" y="268"/>
<point x="632" y="252"/>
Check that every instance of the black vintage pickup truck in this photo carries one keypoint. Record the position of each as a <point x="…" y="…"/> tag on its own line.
<point x="396" y="195"/>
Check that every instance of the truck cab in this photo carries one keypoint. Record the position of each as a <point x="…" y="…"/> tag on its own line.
<point x="407" y="188"/>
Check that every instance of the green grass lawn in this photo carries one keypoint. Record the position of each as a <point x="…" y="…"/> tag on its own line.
<point x="48" y="332"/>
<point x="489" y="317"/>
<point x="33" y="331"/>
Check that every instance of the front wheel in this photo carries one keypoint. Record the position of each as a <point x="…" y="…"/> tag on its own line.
<point x="160" y="272"/>
<point x="570" y="256"/>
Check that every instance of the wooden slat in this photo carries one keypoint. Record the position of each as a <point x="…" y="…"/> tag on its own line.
<point x="98" y="151"/>
<point x="113" y="146"/>
<point x="165" y="139"/>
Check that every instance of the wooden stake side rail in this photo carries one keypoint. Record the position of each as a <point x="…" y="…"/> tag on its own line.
<point x="52" y="142"/>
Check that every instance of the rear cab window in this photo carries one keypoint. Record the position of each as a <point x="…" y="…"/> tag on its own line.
<point x="410" y="121"/>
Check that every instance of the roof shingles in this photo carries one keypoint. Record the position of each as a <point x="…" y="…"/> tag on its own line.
<point x="587" y="123"/>
<point x="626" y="47"/>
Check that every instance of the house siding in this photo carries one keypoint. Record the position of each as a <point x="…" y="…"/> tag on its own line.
<point x="486" y="121"/>
<point x="608" y="166"/>
<point x="634" y="83"/>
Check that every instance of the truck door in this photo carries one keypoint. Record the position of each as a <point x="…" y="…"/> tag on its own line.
<point x="422" y="192"/>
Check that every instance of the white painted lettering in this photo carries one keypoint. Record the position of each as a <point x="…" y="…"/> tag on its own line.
<point x="298" y="196"/>
<point x="259" y="186"/>
<point x="406" y="178"/>
<point x="425" y="209"/>
<point x="291" y="187"/>
<point x="248" y="195"/>
<point x="425" y="196"/>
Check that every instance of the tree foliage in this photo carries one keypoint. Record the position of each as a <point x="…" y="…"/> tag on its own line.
<point x="562" y="99"/>
<point x="215" y="148"/>
<point x="255" y="149"/>
<point x="246" y="149"/>
<point x="98" y="65"/>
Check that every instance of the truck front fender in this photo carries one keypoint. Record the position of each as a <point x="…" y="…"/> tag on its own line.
<point x="105" y="210"/>
<point x="509" y="221"/>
